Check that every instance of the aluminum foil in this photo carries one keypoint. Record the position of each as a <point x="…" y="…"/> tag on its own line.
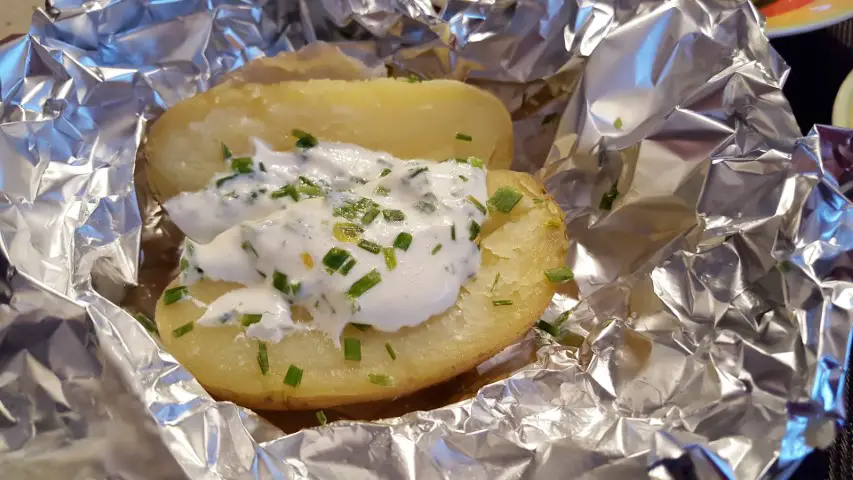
<point x="708" y="330"/>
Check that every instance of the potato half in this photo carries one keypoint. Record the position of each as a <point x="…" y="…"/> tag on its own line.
<point x="407" y="120"/>
<point x="519" y="246"/>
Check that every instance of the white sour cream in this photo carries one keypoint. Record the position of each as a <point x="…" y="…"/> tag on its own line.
<point x="317" y="229"/>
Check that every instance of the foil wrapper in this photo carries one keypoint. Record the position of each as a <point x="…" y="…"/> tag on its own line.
<point x="706" y="336"/>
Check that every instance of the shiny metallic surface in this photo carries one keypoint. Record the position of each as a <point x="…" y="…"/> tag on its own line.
<point x="711" y="319"/>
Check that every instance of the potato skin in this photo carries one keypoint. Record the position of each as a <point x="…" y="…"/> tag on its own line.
<point x="519" y="246"/>
<point x="407" y="120"/>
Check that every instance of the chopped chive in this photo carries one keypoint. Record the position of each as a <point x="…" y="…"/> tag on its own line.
<point x="321" y="418"/>
<point x="618" y="123"/>
<point x="364" y="284"/>
<point x="559" y="275"/>
<point x="242" y="165"/>
<point x="262" y="168"/>
<point x="185" y="264"/>
<point x="263" y="358"/>
<point x="475" y="162"/>
<point x="393" y="215"/>
<point x="307" y="260"/>
<point x="548" y="328"/>
<point x="371" y="247"/>
<point x="307" y="181"/>
<point x="379" y="379"/>
<point x="226" y="152"/>
<point x="418" y="171"/>
<point x="293" y="377"/>
<point x="296" y="287"/>
<point x="250" y="319"/>
<point x="550" y="118"/>
<point x="370" y="216"/>
<point x="305" y="139"/>
<point x="464" y="137"/>
<point x="412" y="78"/>
<point x="609" y="197"/>
<point x="473" y="230"/>
<point x="390" y="350"/>
<point x="477" y="204"/>
<point x="172" y="295"/>
<point x="147" y="323"/>
<point x="390" y="258"/>
<point x="335" y="259"/>
<point x="280" y="283"/>
<point x="348" y="266"/>
<point x="538" y="201"/>
<point x="453" y="232"/>
<point x="352" y="349"/>
<point x="286" y="191"/>
<point x="385" y="172"/>
<point x="222" y="180"/>
<point x="382" y="191"/>
<point x="247" y="246"/>
<point x="495" y="283"/>
<point x="464" y="178"/>
<point x="501" y="303"/>
<point x="403" y="241"/>
<point x="347" y="232"/>
<point x="505" y="199"/>
<point x="310" y="191"/>
<point x="183" y="330"/>
<point x="436" y="249"/>
<point x="426" y="206"/>
<point x="362" y="327"/>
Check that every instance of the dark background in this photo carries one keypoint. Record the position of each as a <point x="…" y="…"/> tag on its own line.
<point x="820" y="61"/>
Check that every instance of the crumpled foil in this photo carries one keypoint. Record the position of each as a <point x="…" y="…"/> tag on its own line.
<point x="708" y="331"/>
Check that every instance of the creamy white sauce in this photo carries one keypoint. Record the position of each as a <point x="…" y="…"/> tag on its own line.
<point x="241" y="234"/>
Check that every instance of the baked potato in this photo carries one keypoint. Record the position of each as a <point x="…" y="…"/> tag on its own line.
<point x="518" y="246"/>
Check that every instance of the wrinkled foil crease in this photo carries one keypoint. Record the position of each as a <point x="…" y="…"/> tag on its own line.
<point x="711" y="319"/>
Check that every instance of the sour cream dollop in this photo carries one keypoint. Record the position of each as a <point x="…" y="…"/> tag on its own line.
<point x="347" y="234"/>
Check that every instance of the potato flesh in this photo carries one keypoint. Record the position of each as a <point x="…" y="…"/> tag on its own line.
<point x="519" y="246"/>
<point x="407" y="120"/>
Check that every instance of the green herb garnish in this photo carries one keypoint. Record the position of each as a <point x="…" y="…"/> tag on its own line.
<point x="382" y="191"/>
<point x="362" y="327"/>
<point x="548" y="328"/>
<point x="183" y="330"/>
<point x="393" y="215"/>
<point x="412" y="78"/>
<point x="172" y="295"/>
<point x="280" y="283"/>
<point x="559" y="275"/>
<point x="226" y="152"/>
<point x="390" y="350"/>
<point x="364" y="284"/>
<point x="473" y="230"/>
<point x="403" y="241"/>
<point x="436" y="249"/>
<point x="321" y="418"/>
<point x="495" y="283"/>
<point x="464" y="178"/>
<point x="370" y="216"/>
<point x="293" y="377"/>
<point x="501" y="303"/>
<point x="608" y="198"/>
<point x="505" y="199"/>
<point x="453" y="232"/>
<point x="371" y="247"/>
<point x="286" y="191"/>
<point x="147" y="323"/>
<point x="222" y="180"/>
<point x="242" y="165"/>
<point x="184" y="264"/>
<point x="414" y="173"/>
<point x="385" y="172"/>
<point x="390" y="258"/>
<point x="348" y="266"/>
<point x="250" y="319"/>
<point x="464" y="137"/>
<point x="352" y="349"/>
<point x="347" y="232"/>
<point x="477" y="204"/>
<point x="379" y="379"/>
<point x="263" y="359"/>
<point x="305" y="139"/>
<point x="618" y="123"/>
<point x="335" y="259"/>
<point x="247" y="247"/>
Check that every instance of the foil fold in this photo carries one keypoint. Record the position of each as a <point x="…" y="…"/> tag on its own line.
<point x="708" y="330"/>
